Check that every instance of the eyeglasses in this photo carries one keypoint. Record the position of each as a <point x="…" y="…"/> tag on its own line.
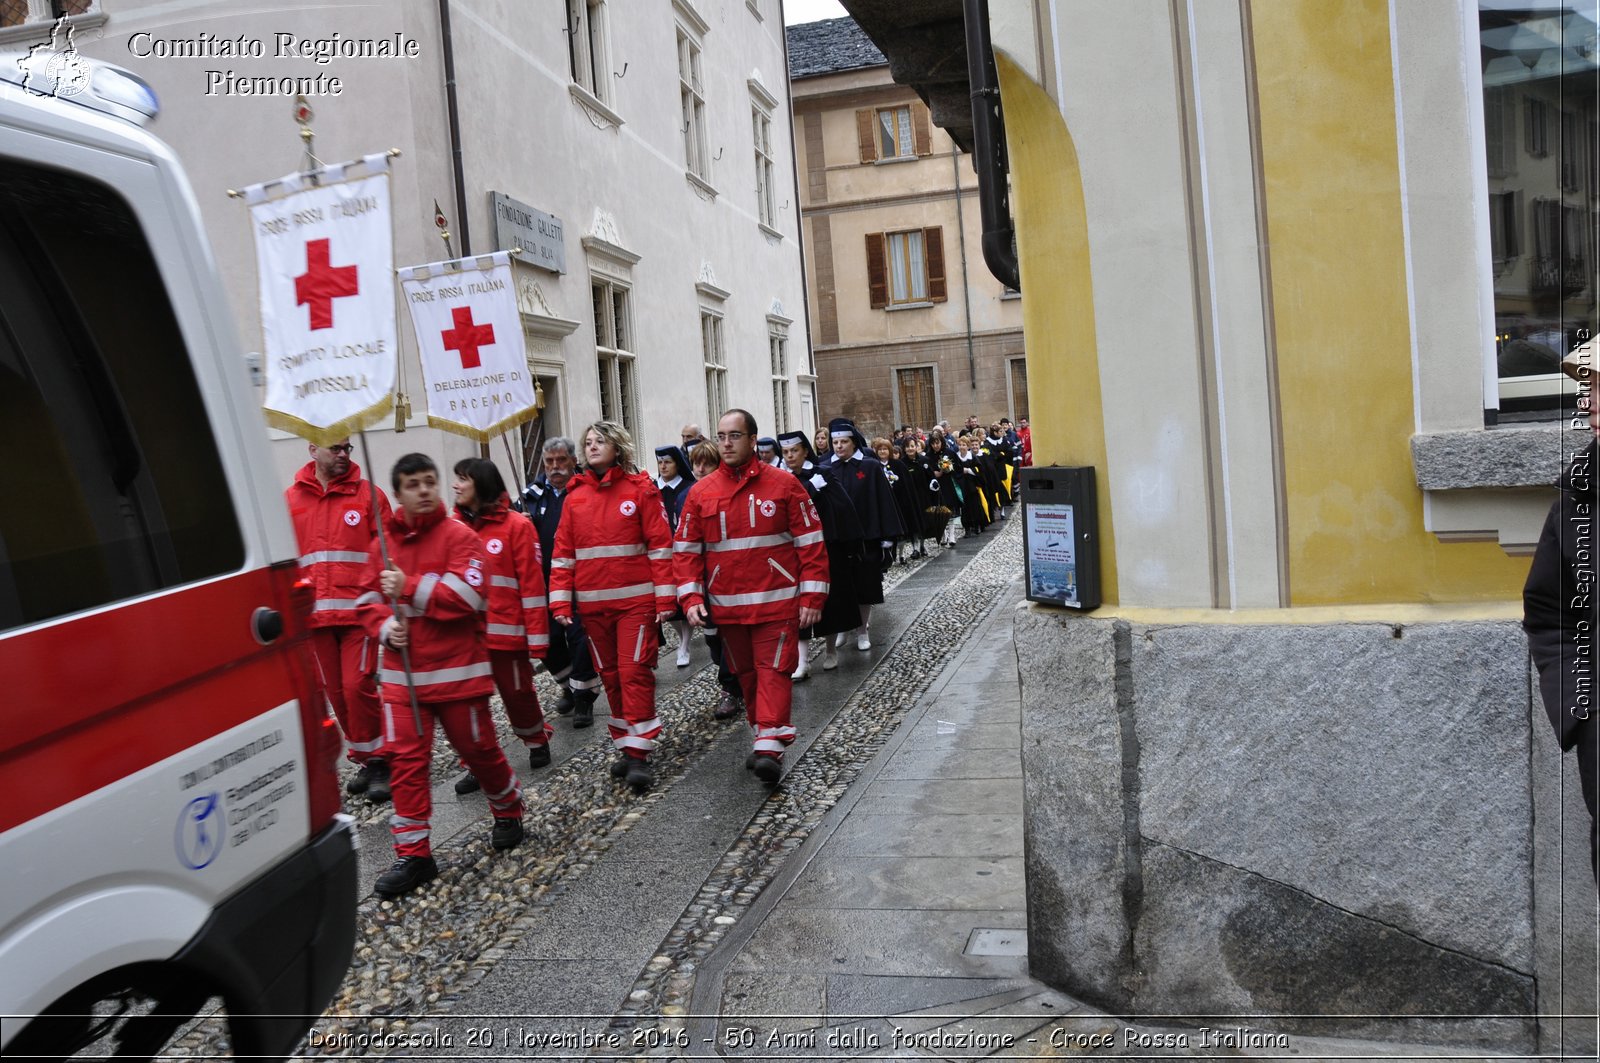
<point x="730" y="437"/>
<point x="341" y="448"/>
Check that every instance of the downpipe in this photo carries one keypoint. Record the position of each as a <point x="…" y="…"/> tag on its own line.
<point x="989" y="148"/>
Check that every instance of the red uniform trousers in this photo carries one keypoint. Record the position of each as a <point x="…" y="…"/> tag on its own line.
<point x="624" y="644"/>
<point x="348" y="660"/>
<point x="470" y="729"/>
<point x="763" y="656"/>
<point x="513" y="677"/>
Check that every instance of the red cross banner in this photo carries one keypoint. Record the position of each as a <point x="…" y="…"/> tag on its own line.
<point x="469" y="332"/>
<point x="325" y="255"/>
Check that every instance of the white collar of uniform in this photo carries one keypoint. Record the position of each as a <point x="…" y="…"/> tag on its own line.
<point x="674" y="482"/>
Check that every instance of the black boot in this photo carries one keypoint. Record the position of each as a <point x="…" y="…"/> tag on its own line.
<point x="563" y="706"/>
<point x="619" y="767"/>
<point x="358" y="783"/>
<point x="583" y="708"/>
<point x="405" y="875"/>
<point x="539" y="756"/>
<point x="768" y="769"/>
<point x="468" y="784"/>
<point x="640" y="777"/>
<point x="507" y="833"/>
<point x="378" y="782"/>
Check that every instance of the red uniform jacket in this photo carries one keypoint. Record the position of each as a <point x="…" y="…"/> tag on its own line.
<point x="443" y="600"/>
<point x="613" y="546"/>
<point x="335" y="529"/>
<point x="750" y="546"/>
<point x="517" y="619"/>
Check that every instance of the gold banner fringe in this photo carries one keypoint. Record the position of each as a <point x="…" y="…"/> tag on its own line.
<point x="486" y="434"/>
<point x="327" y="436"/>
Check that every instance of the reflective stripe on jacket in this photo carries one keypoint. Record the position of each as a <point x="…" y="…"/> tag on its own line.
<point x="750" y="546"/>
<point x="334" y="529"/>
<point x="517" y="619"/>
<point x="613" y="546"/>
<point x="444" y="599"/>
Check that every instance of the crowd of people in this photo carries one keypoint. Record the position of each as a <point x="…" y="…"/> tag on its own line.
<point x="761" y="543"/>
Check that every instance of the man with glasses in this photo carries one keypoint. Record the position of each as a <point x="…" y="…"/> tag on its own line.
<point x="336" y="524"/>
<point x="749" y="558"/>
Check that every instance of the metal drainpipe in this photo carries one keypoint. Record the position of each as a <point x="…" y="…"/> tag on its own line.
<point x="989" y="147"/>
<point x="455" y="128"/>
<point x="966" y="289"/>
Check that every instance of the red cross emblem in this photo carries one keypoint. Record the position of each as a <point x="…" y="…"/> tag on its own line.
<point x="466" y="338"/>
<point x="322" y="283"/>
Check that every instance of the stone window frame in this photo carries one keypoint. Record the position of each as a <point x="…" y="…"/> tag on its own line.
<point x="763" y="105"/>
<point x="782" y="373"/>
<point x="690" y="31"/>
<point x="590" y="67"/>
<point x="900" y="417"/>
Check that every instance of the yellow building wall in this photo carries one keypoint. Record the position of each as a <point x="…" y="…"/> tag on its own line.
<point x="1333" y="205"/>
<point x="1057" y="295"/>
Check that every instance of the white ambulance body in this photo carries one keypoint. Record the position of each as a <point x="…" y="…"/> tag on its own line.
<point x="170" y="828"/>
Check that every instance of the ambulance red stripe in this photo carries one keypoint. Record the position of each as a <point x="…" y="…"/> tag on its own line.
<point x="95" y="698"/>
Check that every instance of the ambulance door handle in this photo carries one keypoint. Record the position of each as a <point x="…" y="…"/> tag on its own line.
<point x="266" y="625"/>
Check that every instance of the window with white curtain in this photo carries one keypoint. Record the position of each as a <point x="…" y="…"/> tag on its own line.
<point x="908" y="271"/>
<point x="894" y="132"/>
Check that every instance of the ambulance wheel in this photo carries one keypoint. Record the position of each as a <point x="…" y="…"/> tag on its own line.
<point x="127" y="1014"/>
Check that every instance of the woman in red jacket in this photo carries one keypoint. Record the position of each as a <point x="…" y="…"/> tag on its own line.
<point x="612" y="564"/>
<point x="517" y="629"/>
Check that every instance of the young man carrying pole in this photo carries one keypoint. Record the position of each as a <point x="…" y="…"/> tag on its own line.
<point x="437" y="575"/>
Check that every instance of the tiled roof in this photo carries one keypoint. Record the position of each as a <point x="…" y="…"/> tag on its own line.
<point x="830" y="46"/>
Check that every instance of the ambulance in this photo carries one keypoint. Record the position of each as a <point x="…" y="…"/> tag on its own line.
<point x="171" y="841"/>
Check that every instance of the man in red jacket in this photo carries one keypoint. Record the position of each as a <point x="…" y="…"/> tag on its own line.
<point x="750" y="553"/>
<point x="336" y="524"/>
<point x="439" y="576"/>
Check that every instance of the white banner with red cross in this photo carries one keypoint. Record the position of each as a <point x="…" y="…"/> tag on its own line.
<point x="469" y="332"/>
<point x="325" y="256"/>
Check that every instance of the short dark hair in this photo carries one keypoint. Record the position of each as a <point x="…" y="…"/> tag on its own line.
<point x="463" y="465"/>
<point x="410" y="465"/>
<point x="749" y="418"/>
<point x="487" y="483"/>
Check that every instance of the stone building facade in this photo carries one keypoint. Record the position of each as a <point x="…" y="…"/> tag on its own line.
<point x="908" y="326"/>
<point x="656" y="137"/>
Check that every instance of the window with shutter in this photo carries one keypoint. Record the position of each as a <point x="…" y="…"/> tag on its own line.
<point x="877" y="272"/>
<point x="933" y="240"/>
<point x="867" y="134"/>
<point x="921" y="131"/>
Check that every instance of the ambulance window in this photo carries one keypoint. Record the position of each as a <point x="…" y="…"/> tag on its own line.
<point x="112" y="485"/>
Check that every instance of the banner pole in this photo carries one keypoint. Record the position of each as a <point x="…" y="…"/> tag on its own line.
<point x="516" y="470"/>
<point x="394" y="602"/>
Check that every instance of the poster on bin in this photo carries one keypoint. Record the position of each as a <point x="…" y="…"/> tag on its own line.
<point x="1052" y="560"/>
<point x="325" y="265"/>
<point x="469" y="332"/>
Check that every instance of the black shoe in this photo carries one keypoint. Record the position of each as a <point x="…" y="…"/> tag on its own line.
<point x="730" y="706"/>
<point x="583" y="710"/>
<point x="640" y="777"/>
<point x="358" y="783"/>
<point x="750" y="761"/>
<point x="564" y="703"/>
<point x="619" y="767"/>
<point x="468" y="784"/>
<point x="378" y="782"/>
<point x="539" y="756"/>
<point x="405" y="875"/>
<point x="507" y="833"/>
<point x="767" y="768"/>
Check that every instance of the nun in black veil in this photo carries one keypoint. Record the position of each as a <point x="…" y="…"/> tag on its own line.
<point x="674" y="477"/>
<point x="841" y="534"/>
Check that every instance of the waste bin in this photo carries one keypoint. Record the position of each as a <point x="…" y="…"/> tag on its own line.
<point x="1060" y="538"/>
